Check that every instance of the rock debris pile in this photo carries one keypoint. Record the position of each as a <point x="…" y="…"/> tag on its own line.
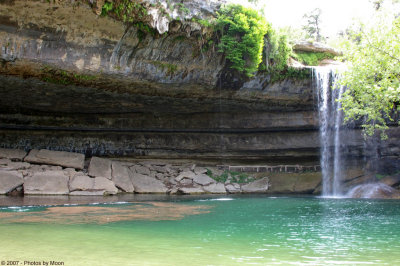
<point x="45" y="172"/>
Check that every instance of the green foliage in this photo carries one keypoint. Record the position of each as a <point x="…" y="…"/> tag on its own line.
<point x="242" y="37"/>
<point x="126" y="10"/>
<point x="312" y="58"/>
<point x="179" y="38"/>
<point x="203" y="22"/>
<point x="182" y="8"/>
<point x="62" y="77"/>
<point x="275" y="62"/>
<point x="107" y="7"/>
<point x="277" y="50"/>
<point x="236" y="177"/>
<point x="290" y="72"/>
<point x="372" y="75"/>
<point x="293" y="34"/>
<point x="312" y="26"/>
<point x="143" y="30"/>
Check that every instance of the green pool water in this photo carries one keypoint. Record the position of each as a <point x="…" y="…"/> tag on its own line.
<point x="239" y="230"/>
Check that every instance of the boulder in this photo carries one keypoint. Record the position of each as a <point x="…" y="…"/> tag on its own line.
<point x="391" y="180"/>
<point x="85" y="185"/>
<point x="186" y="182"/>
<point x="81" y="183"/>
<point x="102" y="183"/>
<point x="47" y="183"/>
<point x="258" y="186"/>
<point x="140" y="169"/>
<point x="9" y="180"/>
<point x="190" y="190"/>
<point x="203" y="179"/>
<point x="185" y="174"/>
<point x="12" y="154"/>
<point x="147" y="184"/>
<point x="360" y="180"/>
<point x="60" y="158"/>
<point x="232" y="188"/>
<point x="374" y="191"/>
<point x="121" y="177"/>
<point x="217" y="188"/>
<point x="160" y="169"/>
<point x="100" y="167"/>
<point x="200" y="170"/>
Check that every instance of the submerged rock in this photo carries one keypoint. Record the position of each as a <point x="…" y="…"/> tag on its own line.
<point x="374" y="191"/>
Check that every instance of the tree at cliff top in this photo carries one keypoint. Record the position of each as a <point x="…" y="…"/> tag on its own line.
<point x="313" y="25"/>
<point x="242" y="37"/>
<point x="372" y="56"/>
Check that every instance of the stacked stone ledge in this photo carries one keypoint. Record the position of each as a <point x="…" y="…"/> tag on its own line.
<point x="45" y="172"/>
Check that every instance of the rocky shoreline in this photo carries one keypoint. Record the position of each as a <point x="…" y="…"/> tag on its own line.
<point x="45" y="172"/>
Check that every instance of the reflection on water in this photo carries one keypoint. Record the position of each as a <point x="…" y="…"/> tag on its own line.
<point x="206" y="231"/>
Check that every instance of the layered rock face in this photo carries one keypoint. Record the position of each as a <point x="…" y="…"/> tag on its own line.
<point x="71" y="80"/>
<point x="134" y="95"/>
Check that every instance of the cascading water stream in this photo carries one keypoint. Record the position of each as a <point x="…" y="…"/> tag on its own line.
<point x="330" y="130"/>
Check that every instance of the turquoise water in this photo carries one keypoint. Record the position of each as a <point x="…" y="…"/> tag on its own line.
<point x="235" y="230"/>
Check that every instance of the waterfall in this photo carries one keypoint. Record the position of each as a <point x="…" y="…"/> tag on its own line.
<point x="330" y="130"/>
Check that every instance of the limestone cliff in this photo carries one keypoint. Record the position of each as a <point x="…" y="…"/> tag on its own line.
<point x="72" y="79"/>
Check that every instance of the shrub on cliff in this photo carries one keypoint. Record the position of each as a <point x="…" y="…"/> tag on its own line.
<point x="242" y="37"/>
